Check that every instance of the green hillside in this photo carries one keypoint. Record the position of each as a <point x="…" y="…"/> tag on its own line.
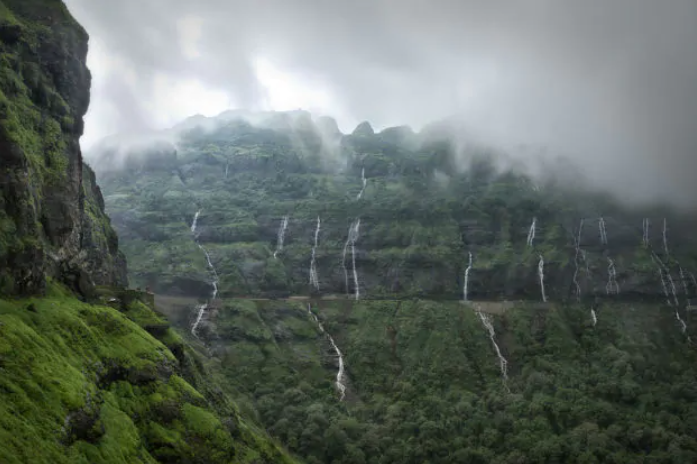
<point x="600" y="372"/>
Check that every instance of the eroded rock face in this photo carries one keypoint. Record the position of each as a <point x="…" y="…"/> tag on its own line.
<point x="50" y="224"/>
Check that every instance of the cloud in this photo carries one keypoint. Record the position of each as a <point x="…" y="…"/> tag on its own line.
<point x="613" y="84"/>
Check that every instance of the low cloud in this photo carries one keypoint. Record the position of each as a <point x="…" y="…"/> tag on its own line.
<point x="613" y="85"/>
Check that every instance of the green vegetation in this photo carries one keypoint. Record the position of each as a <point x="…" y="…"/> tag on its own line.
<point x="86" y="383"/>
<point x="417" y="222"/>
<point x="425" y="384"/>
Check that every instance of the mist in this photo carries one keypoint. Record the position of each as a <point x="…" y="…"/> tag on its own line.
<point x="612" y="85"/>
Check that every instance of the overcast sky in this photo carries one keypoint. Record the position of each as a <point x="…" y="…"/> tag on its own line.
<point x="612" y="82"/>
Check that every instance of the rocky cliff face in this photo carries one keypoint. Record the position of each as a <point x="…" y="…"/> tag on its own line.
<point x="423" y="209"/>
<point x="51" y="223"/>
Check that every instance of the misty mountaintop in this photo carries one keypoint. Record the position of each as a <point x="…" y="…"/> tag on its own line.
<point x="423" y="202"/>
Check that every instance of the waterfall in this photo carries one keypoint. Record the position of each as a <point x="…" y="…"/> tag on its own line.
<point x="665" y="236"/>
<point x="503" y="364"/>
<point x="672" y="289"/>
<point x="660" y="265"/>
<point x="603" y="231"/>
<point x="594" y="317"/>
<point x="365" y="183"/>
<point x="340" y="375"/>
<point x="351" y="241"/>
<point x="541" y="273"/>
<point x="611" y="286"/>
<point x="531" y="233"/>
<point x="281" y="236"/>
<point x="353" y="259"/>
<point x="467" y="278"/>
<point x="646" y="225"/>
<point x="201" y="309"/>
<point x="313" y="266"/>
<point x="195" y="222"/>
<point x="578" y="251"/>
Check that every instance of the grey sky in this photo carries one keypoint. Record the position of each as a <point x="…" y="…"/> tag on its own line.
<point x="612" y="83"/>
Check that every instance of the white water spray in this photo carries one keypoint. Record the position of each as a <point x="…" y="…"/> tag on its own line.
<point x="281" y="236"/>
<point x="531" y="233"/>
<point x="357" y="289"/>
<point x="646" y="226"/>
<point x="503" y="364"/>
<point x="201" y="309"/>
<point x="351" y="242"/>
<point x="660" y="265"/>
<point x="665" y="236"/>
<point x="611" y="287"/>
<point x="365" y="183"/>
<point x="603" y="230"/>
<point x="195" y="222"/>
<point x="541" y="273"/>
<point x="313" y="266"/>
<point x="465" y="289"/>
<point x="340" y="376"/>
<point x="594" y="317"/>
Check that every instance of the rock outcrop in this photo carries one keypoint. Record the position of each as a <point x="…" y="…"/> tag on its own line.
<point x="51" y="222"/>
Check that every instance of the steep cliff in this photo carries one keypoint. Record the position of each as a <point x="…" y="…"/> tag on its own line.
<point x="423" y="207"/>
<point x="105" y="379"/>
<point x="50" y="223"/>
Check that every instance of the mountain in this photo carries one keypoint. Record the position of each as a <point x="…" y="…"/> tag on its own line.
<point x="89" y="371"/>
<point x="423" y="207"/>
<point x="575" y="343"/>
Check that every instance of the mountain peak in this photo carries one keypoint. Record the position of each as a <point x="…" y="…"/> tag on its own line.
<point x="363" y="128"/>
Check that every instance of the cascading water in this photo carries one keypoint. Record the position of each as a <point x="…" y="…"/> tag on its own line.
<point x="465" y="288"/>
<point x="357" y="289"/>
<point x="661" y="266"/>
<point x="365" y="183"/>
<point x="351" y="242"/>
<point x="665" y="237"/>
<point x="195" y="222"/>
<point x="531" y="233"/>
<point x="603" y="231"/>
<point x="503" y="364"/>
<point x="314" y="280"/>
<point x="584" y="257"/>
<point x="340" y="375"/>
<point x="541" y="273"/>
<point x="201" y="309"/>
<point x="281" y="236"/>
<point x="612" y="287"/>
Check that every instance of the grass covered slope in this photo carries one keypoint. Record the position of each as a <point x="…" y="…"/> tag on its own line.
<point x="85" y="383"/>
<point x="425" y="383"/>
